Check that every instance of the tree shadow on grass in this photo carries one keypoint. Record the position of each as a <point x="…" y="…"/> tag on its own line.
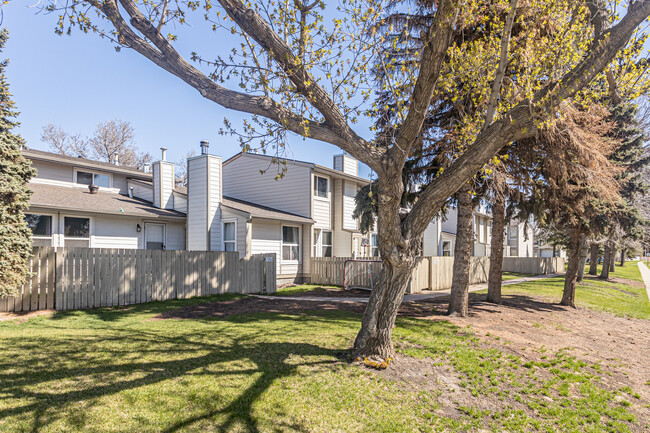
<point x="67" y="366"/>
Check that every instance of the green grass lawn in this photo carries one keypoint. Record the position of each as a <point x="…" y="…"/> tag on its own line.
<point x="118" y="370"/>
<point x="506" y="276"/>
<point x="292" y="290"/>
<point x="620" y="299"/>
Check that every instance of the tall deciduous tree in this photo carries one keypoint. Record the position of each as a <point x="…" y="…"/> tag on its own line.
<point x="309" y="75"/>
<point x="111" y="140"/>
<point x="15" y="172"/>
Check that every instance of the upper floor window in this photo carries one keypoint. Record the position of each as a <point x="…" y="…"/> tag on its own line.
<point x="41" y="227"/>
<point x="88" y="178"/>
<point x="446" y="248"/>
<point x="321" y="187"/>
<point x="229" y="236"/>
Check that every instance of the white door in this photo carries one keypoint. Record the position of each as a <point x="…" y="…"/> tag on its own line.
<point x="154" y="236"/>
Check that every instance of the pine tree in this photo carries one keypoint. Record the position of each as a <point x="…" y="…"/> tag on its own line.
<point x="15" y="172"/>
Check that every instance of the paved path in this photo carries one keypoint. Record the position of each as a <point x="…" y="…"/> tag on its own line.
<point x="645" y="273"/>
<point x="416" y="297"/>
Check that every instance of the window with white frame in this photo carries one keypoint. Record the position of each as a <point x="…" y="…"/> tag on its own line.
<point x="41" y="227"/>
<point x="374" y="245"/>
<point x="326" y="243"/>
<point x="76" y="232"/>
<point x="446" y="248"/>
<point x="316" y="242"/>
<point x="290" y="244"/>
<point x="93" y="178"/>
<point x="321" y="187"/>
<point x="229" y="235"/>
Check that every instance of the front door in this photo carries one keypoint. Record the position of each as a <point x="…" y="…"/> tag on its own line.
<point x="154" y="236"/>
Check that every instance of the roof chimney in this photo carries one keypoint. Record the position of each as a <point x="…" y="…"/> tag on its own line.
<point x="146" y="167"/>
<point x="116" y="159"/>
<point x="204" y="147"/>
<point x="164" y="153"/>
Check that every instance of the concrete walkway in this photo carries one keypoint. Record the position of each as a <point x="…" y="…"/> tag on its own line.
<point x="415" y="297"/>
<point x="645" y="273"/>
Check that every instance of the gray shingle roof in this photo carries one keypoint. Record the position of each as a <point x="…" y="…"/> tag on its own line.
<point x="41" y="155"/>
<point x="79" y="199"/>
<point x="259" y="211"/>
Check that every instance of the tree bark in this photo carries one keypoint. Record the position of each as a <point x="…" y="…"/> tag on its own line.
<point x="623" y="256"/>
<point x="398" y="254"/>
<point x="582" y="258"/>
<point x="459" y="300"/>
<point x="571" y="276"/>
<point x="593" y="260"/>
<point x="496" y="248"/>
<point x="612" y="259"/>
<point x="604" y="273"/>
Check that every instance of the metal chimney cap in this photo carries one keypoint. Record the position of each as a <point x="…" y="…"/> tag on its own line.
<point x="164" y="153"/>
<point x="204" y="147"/>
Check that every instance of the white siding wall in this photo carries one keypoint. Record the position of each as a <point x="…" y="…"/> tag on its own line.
<point x="180" y="202"/>
<point x="322" y="213"/>
<point x="141" y="191"/>
<point x="163" y="184"/>
<point x="197" y="211"/>
<point x="241" y="218"/>
<point x="214" y="200"/>
<point x="342" y="243"/>
<point x="346" y="164"/>
<point x="116" y="232"/>
<point x="349" y="192"/>
<point x="120" y="183"/>
<point x="449" y="224"/>
<point x="267" y="238"/>
<point x="55" y="172"/>
<point x="431" y="239"/>
<point x="175" y="236"/>
<point x="242" y="180"/>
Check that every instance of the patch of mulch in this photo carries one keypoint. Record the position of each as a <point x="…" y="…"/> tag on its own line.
<point x="24" y="316"/>
<point x="251" y="305"/>
<point x="329" y="292"/>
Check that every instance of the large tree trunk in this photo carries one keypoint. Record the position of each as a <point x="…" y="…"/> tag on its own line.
<point x="496" y="250"/>
<point x="623" y="251"/>
<point x="398" y="255"/>
<point x="612" y="259"/>
<point x="604" y="273"/>
<point x="593" y="260"/>
<point x="582" y="258"/>
<point x="459" y="300"/>
<point x="569" y="294"/>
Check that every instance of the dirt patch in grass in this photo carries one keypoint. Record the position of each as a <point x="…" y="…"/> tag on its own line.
<point x="251" y="305"/>
<point x="23" y="316"/>
<point x="533" y="328"/>
<point x="617" y="280"/>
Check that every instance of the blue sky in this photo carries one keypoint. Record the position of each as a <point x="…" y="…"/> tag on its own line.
<point x="79" y="80"/>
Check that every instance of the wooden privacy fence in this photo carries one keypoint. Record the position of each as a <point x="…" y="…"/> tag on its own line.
<point x="430" y="273"/>
<point x="77" y="278"/>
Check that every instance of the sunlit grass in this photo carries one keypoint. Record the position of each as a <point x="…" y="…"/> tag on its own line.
<point x="119" y="370"/>
<point x="617" y="298"/>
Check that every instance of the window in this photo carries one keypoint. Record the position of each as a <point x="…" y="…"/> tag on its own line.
<point x="88" y="178"/>
<point x="290" y="243"/>
<point x="326" y="244"/>
<point x="321" y="187"/>
<point x="41" y="227"/>
<point x="229" y="236"/>
<point x="316" y="242"/>
<point x="76" y="232"/>
<point x="374" y="246"/>
<point x="446" y="248"/>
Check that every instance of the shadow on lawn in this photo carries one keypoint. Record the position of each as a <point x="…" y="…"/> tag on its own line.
<point x="48" y="406"/>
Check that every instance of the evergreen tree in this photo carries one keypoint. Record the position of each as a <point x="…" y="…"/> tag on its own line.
<point x="15" y="172"/>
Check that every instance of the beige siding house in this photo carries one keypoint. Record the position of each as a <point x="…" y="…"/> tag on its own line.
<point x="238" y="205"/>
